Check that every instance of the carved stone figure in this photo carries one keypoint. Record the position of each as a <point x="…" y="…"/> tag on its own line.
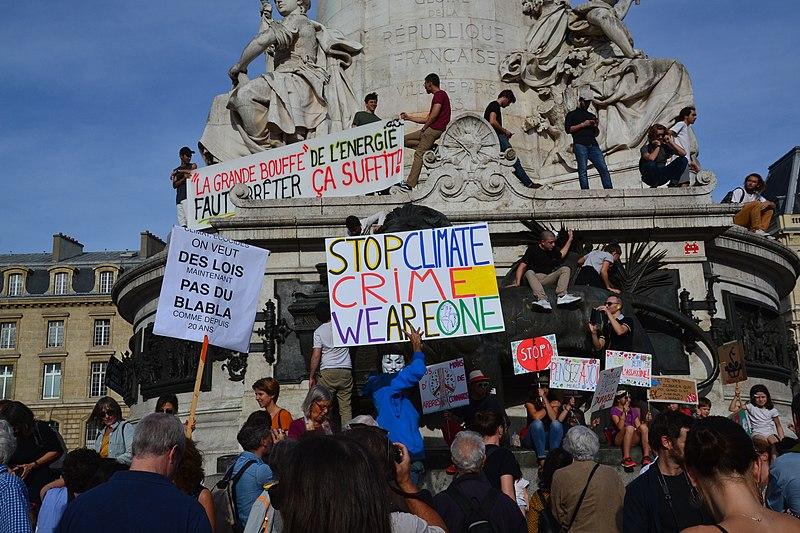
<point x="305" y="92"/>
<point x="568" y="49"/>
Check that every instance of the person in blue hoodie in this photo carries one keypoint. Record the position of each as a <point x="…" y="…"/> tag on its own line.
<point x="396" y="413"/>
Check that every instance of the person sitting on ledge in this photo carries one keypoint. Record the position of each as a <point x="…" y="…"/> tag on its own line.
<point x="367" y="117"/>
<point x="656" y="152"/>
<point x="542" y="265"/>
<point x="628" y="430"/>
<point x="756" y="212"/>
<point x="595" y="266"/>
<point x="433" y="125"/>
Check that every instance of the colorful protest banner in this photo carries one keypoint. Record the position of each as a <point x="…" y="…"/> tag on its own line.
<point x="210" y="287"/>
<point x="672" y="390"/>
<point x="607" y="384"/>
<point x="352" y="162"/>
<point x="574" y="373"/>
<point x="732" y="366"/>
<point x="440" y="280"/>
<point x="444" y="386"/>
<point x="533" y="355"/>
<point x="637" y="368"/>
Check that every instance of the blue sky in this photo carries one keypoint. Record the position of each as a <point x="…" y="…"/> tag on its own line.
<point x="98" y="96"/>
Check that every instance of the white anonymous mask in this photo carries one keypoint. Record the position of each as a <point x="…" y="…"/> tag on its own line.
<point x="392" y="363"/>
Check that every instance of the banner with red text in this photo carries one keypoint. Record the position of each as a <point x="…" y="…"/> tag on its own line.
<point x="351" y="162"/>
<point x="439" y="280"/>
<point x="533" y="355"/>
<point x="444" y="386"/>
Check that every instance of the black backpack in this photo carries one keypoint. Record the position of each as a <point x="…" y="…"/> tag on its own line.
<point x="476" y="514"/>
<point x="728" y="198"/>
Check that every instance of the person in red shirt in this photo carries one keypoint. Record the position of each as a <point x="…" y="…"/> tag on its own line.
<point x="433" y="125"/>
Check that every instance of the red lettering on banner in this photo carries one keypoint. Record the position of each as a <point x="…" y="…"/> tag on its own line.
<point x="454" y="282"/>
<point x="334" y="295"/>
<point x="415" y="275"/>
<point x="366" y="288"/>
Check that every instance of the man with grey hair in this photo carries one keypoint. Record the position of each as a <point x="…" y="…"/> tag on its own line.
<point x="543" y="265"/>
<point x="586" y="497"/>
<point x="143" y="498"/>
<point x="13" y="494"/>
<point x="470" y="499"/>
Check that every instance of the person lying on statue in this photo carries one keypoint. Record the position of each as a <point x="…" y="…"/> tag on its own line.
<point x="396" y="412"/>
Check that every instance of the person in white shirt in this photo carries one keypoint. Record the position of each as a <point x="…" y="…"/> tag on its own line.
<point x="684" y="137"/>
<point x="595" y="266"/>
<point x="332" y="363"/>
<point x="364" y="226"/>
<point x="756" y="212"/>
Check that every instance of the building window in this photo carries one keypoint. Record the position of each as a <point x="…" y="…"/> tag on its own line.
<point x="102" y="332"/>
<point x="60" y="283"/>
<point x="8" y="335"/>
<point x="93" y="432"/>
<point x="106" y="281"/>
<point x="15" y="285"/>
<point x="51" y="382"/>
<point x="6" y="381"/>
<point x="97" y="385"/>
<point x="55" y="333"/>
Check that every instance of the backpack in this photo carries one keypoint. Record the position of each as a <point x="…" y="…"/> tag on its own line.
<point x="728" y="198"/>
<point x="547" y="522"/>
<point x="476" y="514"/>
<point x="224" y="496"/>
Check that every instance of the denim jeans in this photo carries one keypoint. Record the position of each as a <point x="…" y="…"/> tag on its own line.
<point x="519" y="172"/>
<point x="593" y="153"/>
<point x="655" y="176"/>
<point x="541" y="438"/>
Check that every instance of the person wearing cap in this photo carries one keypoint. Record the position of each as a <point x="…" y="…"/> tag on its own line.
<point x="480" y="399"/>
<point x="583" y="126"/>
<point x="494" y="116"/>
<point x="616" y="333"/>
<point x="178" y="179"/>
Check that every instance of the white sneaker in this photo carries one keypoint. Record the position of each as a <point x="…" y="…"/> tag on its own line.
<point x="404" y="186"/>
<point x="764" y="234"/>
<point x="544" y="304"/>
<point x="567" y="298"/>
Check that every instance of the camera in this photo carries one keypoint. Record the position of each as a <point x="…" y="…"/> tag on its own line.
<point x="397" y="453"/>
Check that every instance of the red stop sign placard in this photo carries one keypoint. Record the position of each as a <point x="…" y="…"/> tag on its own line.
<point x="534" y="354"/>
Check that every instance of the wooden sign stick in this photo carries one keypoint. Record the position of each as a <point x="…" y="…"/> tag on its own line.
<point x="196" y="394"/>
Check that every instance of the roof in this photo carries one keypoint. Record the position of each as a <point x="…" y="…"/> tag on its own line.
<point x="39" y="260"/>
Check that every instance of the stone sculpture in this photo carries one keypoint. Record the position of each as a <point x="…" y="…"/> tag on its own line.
<point x="568" y="49"/>
<point x="305" y="92"/>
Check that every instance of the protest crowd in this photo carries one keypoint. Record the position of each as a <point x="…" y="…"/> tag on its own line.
<point x="324" y="469"/>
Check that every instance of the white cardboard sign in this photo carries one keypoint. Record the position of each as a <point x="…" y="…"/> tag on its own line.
<point x="607" y="385"/>
<point x="444" y="386"/>
<point x="211" y="287"/>
<point x="637" y="368"/>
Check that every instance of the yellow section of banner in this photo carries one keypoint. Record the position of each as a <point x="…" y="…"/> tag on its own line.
<point x="474" y="281"/>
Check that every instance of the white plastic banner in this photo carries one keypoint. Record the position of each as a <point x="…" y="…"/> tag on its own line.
<point x="211" y="287"/>
<point x="351" y="162"/>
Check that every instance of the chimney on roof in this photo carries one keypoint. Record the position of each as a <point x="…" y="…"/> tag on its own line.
<point x="65" y="247"/>
<point x="150" y="245"/>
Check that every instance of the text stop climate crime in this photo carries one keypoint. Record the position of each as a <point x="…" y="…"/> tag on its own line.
<point x="440" y="280"/>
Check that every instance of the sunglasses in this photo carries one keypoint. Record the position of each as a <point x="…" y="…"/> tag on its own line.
<point x="483" y="384"/>
<point x="611" y="303"/>
<point x="107" y="413"/>
<point x="167" y="411"/>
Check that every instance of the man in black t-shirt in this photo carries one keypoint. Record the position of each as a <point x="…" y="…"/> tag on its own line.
<point x="494" y="115"/>
<point x="178" y="178"/>
<point x="582" y="125"/>
<point x="501" y="467"/>
<point x="617" y="331"/>
<point x="543" y="265"/>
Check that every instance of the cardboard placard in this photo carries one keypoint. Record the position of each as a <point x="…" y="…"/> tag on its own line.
<point x="444" y="386"/>
<point x="732" y="366"/>
<point x="607" y="385"/>
<point x="439" y="280"/>
<point x="637" y="368"/>
<point x="351" y="162"/>
<point x="574" y="373"/>
<point x="533" y="355"/>
<point x="672" y="390"/>
<point x="211" y="287"/>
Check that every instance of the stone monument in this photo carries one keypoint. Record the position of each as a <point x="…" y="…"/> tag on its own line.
<point x="546" y="50"/>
